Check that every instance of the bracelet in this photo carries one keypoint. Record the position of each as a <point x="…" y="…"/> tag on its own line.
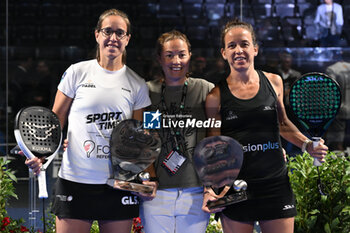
<point x="304" y="146"/>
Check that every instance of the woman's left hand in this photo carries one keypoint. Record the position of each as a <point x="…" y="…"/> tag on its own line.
<point x="319" y="152"/>
<point x="148" y="196"/>
<point x="284" y="154"/>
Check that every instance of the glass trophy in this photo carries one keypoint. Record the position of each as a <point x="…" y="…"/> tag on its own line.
<point x="133" y="149"/>
<point x="218" y="160"/>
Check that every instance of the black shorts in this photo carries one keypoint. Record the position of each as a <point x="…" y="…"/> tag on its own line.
<point x="93" y="202"/>
<point x="267" y="200"/>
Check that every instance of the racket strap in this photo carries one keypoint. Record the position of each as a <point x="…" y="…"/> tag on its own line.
<point x="44" y="219"/>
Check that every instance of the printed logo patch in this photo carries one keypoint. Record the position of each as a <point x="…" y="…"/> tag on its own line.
<point x="231" y="116"/>
<point x="268" y="108"/>
<point x="64" y="75"/>
<point x="287" y="207"/>
<point x="89" y="146"/>
<point x="124" y="89"/>
<point x="130" y="200"/>
<point x="88" y="84"/>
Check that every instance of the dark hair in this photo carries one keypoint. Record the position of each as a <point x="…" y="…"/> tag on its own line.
<point x="172" y="35"/>
<point x="237" y="23"/>
<point x="102" y="17"/>
<point x="168" y="36"/>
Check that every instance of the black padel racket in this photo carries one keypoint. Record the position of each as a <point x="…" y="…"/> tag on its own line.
<point x="38" y="133"/>
<point x="315" y="99"/>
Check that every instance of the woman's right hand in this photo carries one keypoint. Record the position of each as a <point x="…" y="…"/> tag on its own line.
<point x="35" y="164"/>
<point x="65" y="144"/>
<point x="209" y="195"/>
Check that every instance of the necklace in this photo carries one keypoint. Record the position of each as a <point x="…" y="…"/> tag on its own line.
<point x="175" y="133"/>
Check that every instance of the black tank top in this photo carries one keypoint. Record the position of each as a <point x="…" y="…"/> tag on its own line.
<point x="254" y="123"/>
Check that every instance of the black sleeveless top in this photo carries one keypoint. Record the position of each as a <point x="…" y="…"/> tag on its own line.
<point x="254" y="123"/>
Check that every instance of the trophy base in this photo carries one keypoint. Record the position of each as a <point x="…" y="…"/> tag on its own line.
<point x="227" y="200"/>
<point x="130" y="186"/>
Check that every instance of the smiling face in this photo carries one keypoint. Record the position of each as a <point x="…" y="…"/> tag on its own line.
<point x="111" y="47"/>
<point x="239" y="50"/>
<point x="175" y="61"/>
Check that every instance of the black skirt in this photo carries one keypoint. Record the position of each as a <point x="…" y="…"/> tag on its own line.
<point x="93" y="202"/>
<point x="267" y="200"/>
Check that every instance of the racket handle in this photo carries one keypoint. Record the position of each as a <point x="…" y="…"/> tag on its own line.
<point x="42" y="184"/>
<point x="315" y="142"/>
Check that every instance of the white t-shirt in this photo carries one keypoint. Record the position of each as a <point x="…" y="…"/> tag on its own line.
<point x="324" y="15"/>
<point x="101" y="99"/>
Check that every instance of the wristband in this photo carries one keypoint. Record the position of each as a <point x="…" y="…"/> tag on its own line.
<point x="154" y="179"/>
<point x="304" y="146"/>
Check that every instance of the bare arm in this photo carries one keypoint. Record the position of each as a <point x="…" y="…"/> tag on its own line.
<point x="138" y="114"/>
<point x="287" y="129"/>
<point x="212" y="109"/>
<point x="61" y="107"/>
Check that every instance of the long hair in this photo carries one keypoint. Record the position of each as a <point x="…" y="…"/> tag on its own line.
<point x="102" y="17"/>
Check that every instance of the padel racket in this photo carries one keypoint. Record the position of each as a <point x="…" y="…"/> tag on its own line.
<point x="315" y="99"/>
<point x="38" y="134"/>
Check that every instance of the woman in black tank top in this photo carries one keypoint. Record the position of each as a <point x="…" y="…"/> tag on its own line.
<point x="250" y="105"/>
